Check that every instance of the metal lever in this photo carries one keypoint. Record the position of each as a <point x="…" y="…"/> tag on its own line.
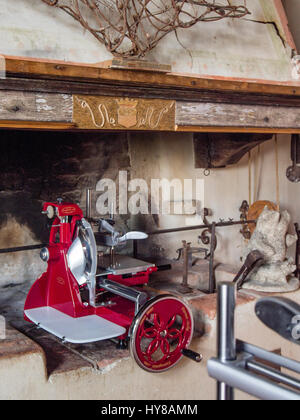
<point x="190" y="354"/>
<point x="133" y="236"/>
<point x="252" y="261"/>
<point x="280" y="315"/>
<point x="116" y="236"/>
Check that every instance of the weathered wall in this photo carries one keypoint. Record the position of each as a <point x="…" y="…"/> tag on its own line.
<point x="44" y="166"/>
<point x="36" y="167"/>
<point x="232" y="48"/>
<point x="292" y="8"/>
<point x="171" y="156"/>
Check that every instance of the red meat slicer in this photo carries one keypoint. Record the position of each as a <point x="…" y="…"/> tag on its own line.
<point x="81" y="302"/>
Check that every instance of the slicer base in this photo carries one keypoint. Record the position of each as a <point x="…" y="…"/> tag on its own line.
<point x="87" y="329"/>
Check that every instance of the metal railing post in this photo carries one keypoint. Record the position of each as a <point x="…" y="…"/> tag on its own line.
<point x="226" y="334"/>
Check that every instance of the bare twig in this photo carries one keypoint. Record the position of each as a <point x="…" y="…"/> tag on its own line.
<point x="131" y="28"/>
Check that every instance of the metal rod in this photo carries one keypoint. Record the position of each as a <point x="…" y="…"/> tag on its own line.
<point x="237" y="377"/>
<point x="186" y="248"/>
<point x="273" y="374"/>
<point x="88" y="203"/>
<point x="226" y="335"/>
<point x="199" y="227"/>
<point x="22" y="248"/>
<point x="135" y="249"/>
<point x="297" y="250"/>
<point x="137" y="296"/>
<point x="212" y="279"/>
<point x="270" y="357"/>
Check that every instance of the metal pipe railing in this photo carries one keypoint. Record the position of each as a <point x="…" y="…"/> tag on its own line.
<point x="236" y="366"/>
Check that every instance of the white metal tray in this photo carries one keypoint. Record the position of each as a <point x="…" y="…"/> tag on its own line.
<point x="74" y="330"/>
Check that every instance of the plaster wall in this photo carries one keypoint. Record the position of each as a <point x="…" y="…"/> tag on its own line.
<point x="171" y="156"/>
<point x="292" y="8"/>
<point x="230" y="47"/>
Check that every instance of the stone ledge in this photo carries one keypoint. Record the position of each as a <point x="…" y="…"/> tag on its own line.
<point x="61" y="358"/>
<point x="207" y="304"/>
<point x="17" y="344"/>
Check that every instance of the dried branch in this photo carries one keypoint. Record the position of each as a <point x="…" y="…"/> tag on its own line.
<point x="131" y="28"/>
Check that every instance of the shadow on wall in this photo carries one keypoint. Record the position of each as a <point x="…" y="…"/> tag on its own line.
<point x="41" y="166"/>
<point x="36" y="167"/>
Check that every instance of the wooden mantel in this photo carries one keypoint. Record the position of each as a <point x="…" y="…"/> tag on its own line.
<point x="39" y="94"/>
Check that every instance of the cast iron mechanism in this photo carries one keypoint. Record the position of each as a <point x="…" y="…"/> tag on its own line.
<point x="187" y="255"/>
<point x="245" y="231"/>
<point x="293" y="172"/>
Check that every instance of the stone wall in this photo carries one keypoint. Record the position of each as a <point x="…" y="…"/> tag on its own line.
<point x="41" y="166"/>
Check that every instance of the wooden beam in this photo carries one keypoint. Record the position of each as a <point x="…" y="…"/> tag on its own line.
<point x="217" y="150"/>
<point x="36" y="125"/>
<point x="257" y="130"/>
<point x="151" y="92"/>
<point x="29" y="106"/>
<point x="24" y="67"/>
<point x="244" y="116"/>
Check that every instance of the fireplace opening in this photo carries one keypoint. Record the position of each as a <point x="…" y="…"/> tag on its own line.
<point x="43" y="166"/>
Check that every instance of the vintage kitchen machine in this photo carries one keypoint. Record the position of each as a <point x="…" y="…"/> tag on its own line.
<point x="84" y="298"/>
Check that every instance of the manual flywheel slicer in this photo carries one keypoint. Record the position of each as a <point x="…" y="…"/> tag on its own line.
<point x="81" y="301"/>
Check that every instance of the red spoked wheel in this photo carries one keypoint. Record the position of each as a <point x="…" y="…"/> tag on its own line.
<point x="160" y="331"/>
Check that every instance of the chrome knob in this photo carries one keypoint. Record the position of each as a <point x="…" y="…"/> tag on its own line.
<point x="45" y="256"/>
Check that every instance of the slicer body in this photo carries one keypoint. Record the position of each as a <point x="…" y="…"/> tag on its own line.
<point x="81" y="300"/>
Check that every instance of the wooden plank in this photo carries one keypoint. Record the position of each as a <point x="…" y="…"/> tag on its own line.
<point x="255" y="130"/>
<point x="107" y="113"/>
<point x="153" y="92"/>
<point x="42" y="107"/>
<point x="217" y="150"/>
<point x="225" y="115"/>
<point x="20" y="66"/>
<point x="36" y="125"/>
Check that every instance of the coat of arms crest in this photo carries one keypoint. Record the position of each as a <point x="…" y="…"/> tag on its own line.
<point x="127" y="112"/>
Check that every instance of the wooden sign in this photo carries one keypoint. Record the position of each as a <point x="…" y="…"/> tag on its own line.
<point x="111" y="113"/>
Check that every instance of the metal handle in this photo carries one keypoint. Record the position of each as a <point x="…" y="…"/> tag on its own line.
<point x="190" y="354"/>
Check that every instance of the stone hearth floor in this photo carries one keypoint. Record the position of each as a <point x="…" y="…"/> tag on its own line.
<point x="102" y="356"/>
<point x="60" y="357"/>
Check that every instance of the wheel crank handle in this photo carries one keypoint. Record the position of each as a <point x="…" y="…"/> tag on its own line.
<point x="190" y="354"/>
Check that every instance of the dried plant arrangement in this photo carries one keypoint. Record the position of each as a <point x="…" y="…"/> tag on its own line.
<point x="131" y="28"/>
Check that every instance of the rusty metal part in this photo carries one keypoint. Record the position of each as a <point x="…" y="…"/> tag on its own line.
<point x="208" y="229"/>
<point x="192" y="251"/>
<point x="131" y="28"/>
<point x="186" y="253"/>
<point x="252" y="261"/>
<point x="213" y="246"/>
<point x="293" y="172"/>
<point x="200" y="227"/>
<point x="245" y="231"/>
<point x="204" y="238"/>
<point x="186" y="249"/>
